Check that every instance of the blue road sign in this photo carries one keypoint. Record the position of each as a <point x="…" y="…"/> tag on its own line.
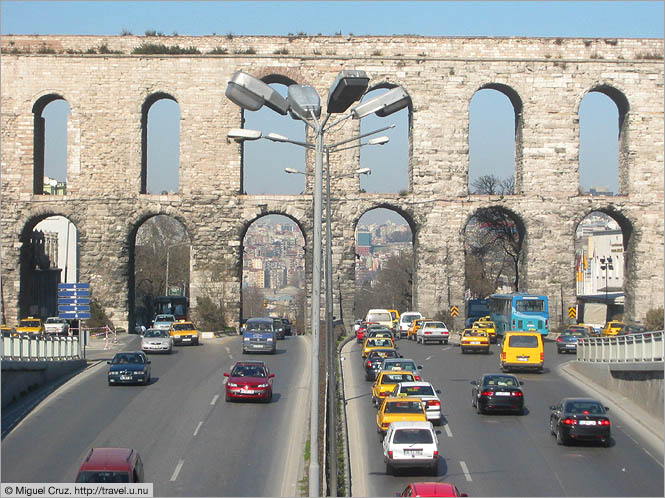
<point x="77" y="285"/>
<point x="73" y="293"/>
<point x="73" y="307"/>
<point x="72" y="315"/>
<point x="73" y="300"/>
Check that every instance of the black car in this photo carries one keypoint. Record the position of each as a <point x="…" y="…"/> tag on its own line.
<point x="567" y="341"/>
<point x="633" y="329"/>
<point x="497" y="392"/>
<point x="287" y="326"/>
<point x="129" y="368"/>
<point x="278" y="327"/>
<point x="580" y="419"/>
<point x="375" y="359"/>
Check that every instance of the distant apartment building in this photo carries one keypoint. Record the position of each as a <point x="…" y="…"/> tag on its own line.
<point x="61" y="245"/>
<point x="363" y="242"/>
<point x="600" y="261"/>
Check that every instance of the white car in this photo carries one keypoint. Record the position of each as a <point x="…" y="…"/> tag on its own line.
<point x="56" y="325"/>
<point x="411" y="444"/>
<point x="433" y="332"/>
<point x="406" y="320"/>
<point x="426" y="392"/>
<point x="157" y="341"/>
<point x="380" y="316"/>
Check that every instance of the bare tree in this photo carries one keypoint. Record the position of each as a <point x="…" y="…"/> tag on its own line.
<point x="493" y="185"/>
<point x="392" y="286"/>
<point x="252" y="302"/>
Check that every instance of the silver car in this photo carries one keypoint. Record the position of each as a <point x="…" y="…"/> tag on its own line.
<point x="157" y="341"/>
<point x="426" y="392"/>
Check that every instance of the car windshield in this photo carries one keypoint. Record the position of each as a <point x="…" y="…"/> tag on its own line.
<point x="55" y="320"/>
<point x="409" y="318"/>
<point x="501" y="380"/>
<point x="403" y="407"/>
<point x="584" y="407"/>
<point x="259" y="326"/>
<point x="417" y="391"/>
<point x="379" y="342"/>
<point x="155" y="333"/>
<point x="435" y="325"/>
<point x="392" y="378"/>
<point x="474" y="333"/>
<point x="576" y="333"/>
<point x="165" y="318"/>
<point x="248" y="371"/>
<point x="400" y="365"/>
<point x="182" y="326"/>
<point x="102" y="476"/>
<point x="530" y="305"/>
<point x="379" y="317"/>
<point x="412" y="436"/>
<point x="379" y="355"/>
<point x="523" y="341"/>
<point x="29" y="323"/>
<point x="123" y="358"/>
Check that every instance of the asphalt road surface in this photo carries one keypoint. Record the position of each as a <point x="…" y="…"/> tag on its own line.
<point x="192" y="442"/>
<point x="497" y="455"/>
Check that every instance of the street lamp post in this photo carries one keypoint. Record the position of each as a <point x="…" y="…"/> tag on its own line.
<point x="606" y="264"/>
<point x="303" y="103"/>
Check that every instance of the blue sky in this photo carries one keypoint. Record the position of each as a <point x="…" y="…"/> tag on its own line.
<point x="495" y="18"/>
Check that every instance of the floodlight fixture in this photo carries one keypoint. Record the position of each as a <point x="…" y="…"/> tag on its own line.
<point x="303" y="102"/>
<point x="383" y="105"/>
<point x="251" y="94"/>
<point x="294" y="171"/>
<point x="276" y="137"/>
<point x="364" y="171"/>
<point x="242" y="134"/>
<point x="348" y="87"/>
<point x="378" y="141"/>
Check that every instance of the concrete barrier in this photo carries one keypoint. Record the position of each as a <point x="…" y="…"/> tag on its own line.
<point x="21" y="377"/>
<point x="642" y="384"/>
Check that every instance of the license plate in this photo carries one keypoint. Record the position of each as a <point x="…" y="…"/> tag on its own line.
<point x="125" y="377"/>
<point x="522" y="358"/>
<point x="587" y="422"/>
<point x="571" y="345"/>
<point x="246" y="391"/>
<point x="413" y="452"/>
<point x="475" y="342"/>
<point x="502" y="394"/>
<point x="186" y="339"/>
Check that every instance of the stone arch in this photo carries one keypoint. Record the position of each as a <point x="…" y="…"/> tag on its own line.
<point x="39" y="139"/>
<point x="518" y="107"/>
<point x="132" y="228"/>
<point x="618" y="97"/>
<point x="508" y="222"/>
<point x="37" y="283"/>
<point x="149" y="101"/>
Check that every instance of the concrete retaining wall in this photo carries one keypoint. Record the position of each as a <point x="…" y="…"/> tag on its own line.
<point x="642" y="386"/>
<point x="18" y="377"/>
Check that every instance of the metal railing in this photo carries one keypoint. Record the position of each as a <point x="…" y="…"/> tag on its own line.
<point x="632" y="348"/>
<point x="25" y="347"/>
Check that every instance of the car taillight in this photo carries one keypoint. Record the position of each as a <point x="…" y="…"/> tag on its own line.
<point x="546" y="323"/>
<point x="418" y="377"/>
<point x="513" y="323"/>
<point x="436" y="454"/>
<point x="433" y="404"/>
<point x="487" y="393"/>
<point x="383" y="394"/>
<point x="517" y="393"/>
<point x="369" y="363"/>
<point x="604" y="422"/>
<point x="559" y="339"/>
<point x="427" y="333"/>
<point x="569" y="421"/>
<point x="503" y="355"/>
<point x="542" y="356"/>
<point x="390" y="454"/>
<point x="385" y="426"/>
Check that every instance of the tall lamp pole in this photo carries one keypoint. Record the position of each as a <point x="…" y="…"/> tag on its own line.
<point x="304" y="103"/>
<point x="606" y="264"/>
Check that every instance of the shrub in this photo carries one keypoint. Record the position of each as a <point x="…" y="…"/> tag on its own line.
<point x="159" y="48"/>
<point x="98" y="316"/>
<point x="281" y="51"/>
<point x="655" y="319"/>
<point x="219" y="51"/>
<point x="211" y="315"/>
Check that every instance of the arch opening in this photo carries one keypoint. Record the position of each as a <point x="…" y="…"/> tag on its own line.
<point x="51" y="116"/>
<point x="160" y="145"/>
<point x="273" y="270"/>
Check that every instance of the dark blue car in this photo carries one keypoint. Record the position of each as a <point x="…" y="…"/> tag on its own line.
<point x="129" y="368"/>
<point x="567" y="341"/>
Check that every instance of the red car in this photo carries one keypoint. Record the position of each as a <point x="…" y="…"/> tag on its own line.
<point x="431" y="489"/>
<point x="249" y="380"/>
<point x="362" y="330"/>
<point x="111" y="465"/>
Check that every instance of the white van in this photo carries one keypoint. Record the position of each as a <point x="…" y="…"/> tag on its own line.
<point x="405" y="321"/>
<point x="380" y="316"/>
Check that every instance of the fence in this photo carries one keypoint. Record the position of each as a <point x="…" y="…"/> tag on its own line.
<point x="633" y="348"/>
<point x="40" y="348"/>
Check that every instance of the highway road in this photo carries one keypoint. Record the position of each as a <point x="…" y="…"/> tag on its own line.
<point x="496" y="455"/>
<point x="192" y="442"/>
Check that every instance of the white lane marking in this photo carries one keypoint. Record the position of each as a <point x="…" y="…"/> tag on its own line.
<point x="214" y="400"/>
<point x="197" y="428"/>
<point x="446" y="348"/>
<point x="428" y="358"/>
<point x="655" y="459"/>
<point x="465" y="469"/>
<point x="177" y="470"/>
<point x="447" y="429"/>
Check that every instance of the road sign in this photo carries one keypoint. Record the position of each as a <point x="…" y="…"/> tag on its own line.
<point x="76" y="285"/>
<point x="73" y="307"/>
<point x="572" y="312"/>
<point x="73" y="293"/>
<point x="74" y="300"/>
<point x="454" y="310"/>
<point x="75" y="315"/>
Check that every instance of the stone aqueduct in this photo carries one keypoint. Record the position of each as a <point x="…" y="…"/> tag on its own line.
<point x="545" y="79"/>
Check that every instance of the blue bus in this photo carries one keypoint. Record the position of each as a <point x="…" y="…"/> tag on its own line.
<point x="521" y="312"/>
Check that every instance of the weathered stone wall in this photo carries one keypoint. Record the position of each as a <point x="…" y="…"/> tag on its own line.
<point x="546" y="79"/>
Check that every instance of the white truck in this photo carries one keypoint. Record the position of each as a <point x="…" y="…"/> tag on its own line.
<point x="56" y="326"/>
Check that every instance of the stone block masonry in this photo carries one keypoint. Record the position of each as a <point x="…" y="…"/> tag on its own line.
<point x="106" y="86"/>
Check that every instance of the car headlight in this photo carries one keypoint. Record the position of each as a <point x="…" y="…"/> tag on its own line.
<point x="269" y="339"/>
<point x="231" y="384"/>
<point x="262" y="385"/>
<point x="245" y="339"/>
<point x="113" y="373"/>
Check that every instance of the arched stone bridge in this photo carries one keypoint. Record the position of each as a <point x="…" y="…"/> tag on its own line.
<point x="109" y="89"/>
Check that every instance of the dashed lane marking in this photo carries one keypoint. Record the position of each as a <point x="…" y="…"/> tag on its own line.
<point x="654" y="458"/>
<point x="428" y="358"/>
<point x="465" y="469"/>
<point x="197" y="428"/>
<point x="214" y="400"/>
<point x="448" y="431"/>
<point x="177" y="470"/>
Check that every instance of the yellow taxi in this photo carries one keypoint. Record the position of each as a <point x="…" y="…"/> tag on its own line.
<point x="474" y="339"/>
<point x="613" y="327"/>
<point x="522" y="350"/>
<point x="376" y="343"/>
<point x="415" y="325"/>
<point x="184" y="332"/>
<point x="488" y="326"/>
<point x="395" y="315"/>
<point x="385" y="382"/>
<point x="7" y="331"/>
<point x="399" y="409"/>
<point x="30" y="325"/>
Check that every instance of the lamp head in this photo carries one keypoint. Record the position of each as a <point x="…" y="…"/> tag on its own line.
<point x="304" y="101"/>
<point x="348" y="87"/>
<point x="242" y="134"/>
<point x="383" y="105"/>
<point x="251" y="93"/>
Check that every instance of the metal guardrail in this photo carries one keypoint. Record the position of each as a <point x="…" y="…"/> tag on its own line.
<point x="632" y="348"/>
<point x="40" y="348"/>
